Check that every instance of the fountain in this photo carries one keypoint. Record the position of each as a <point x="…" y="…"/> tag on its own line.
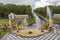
<point x="38" y="20"/>
<point x="29" y="32"/>
<point x="38" y="24"/>
<point x="24" y="23"/>
<point x="32" y="32"/>
<point x="49" y="14"/>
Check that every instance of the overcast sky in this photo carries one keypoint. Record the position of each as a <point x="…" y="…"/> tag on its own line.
<point x="38" y="3"/>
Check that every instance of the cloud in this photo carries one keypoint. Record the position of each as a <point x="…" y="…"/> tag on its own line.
<point x="44" y="3"/>
<point x="17" y="1"/>
<point x="39" y="3"/>
<point x="55" y="2"/>
<point x="5" y="1"/>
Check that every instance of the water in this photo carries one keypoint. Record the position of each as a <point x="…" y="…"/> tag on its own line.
<point x="24" y="23"/>
<point x="38" y="21"/>
<point x="49" y="14"/>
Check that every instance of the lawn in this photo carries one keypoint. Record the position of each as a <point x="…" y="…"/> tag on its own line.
<point x="3" y="22"/>
<point x="56" y="20"/>
<point x="32" y="20"/>
<point x="2" y="32"/>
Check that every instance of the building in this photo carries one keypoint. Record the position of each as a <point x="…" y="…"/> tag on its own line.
<point x="15" y="20"/>
<point x="57" y="16"/>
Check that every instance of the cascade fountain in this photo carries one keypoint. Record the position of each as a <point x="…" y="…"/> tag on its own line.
<point x="35" y="32"/>
<point x="24" y="23"/>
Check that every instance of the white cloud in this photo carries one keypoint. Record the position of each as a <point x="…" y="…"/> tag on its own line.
<point x="17" y="1"/>
<point x="38" y="3"/>
<point x="55" y="2"/>
<point x="5" y="1"/>
<point x="44" y="3"/>
<point x="41" y="3"/>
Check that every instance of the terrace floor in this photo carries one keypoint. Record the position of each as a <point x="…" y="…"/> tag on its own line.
<point x="46" y="36"/>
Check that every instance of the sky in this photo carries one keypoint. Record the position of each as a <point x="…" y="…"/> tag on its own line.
<point x="38" y="3"/>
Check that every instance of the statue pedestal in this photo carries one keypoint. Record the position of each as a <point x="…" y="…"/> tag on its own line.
<point x="55" y="30"/>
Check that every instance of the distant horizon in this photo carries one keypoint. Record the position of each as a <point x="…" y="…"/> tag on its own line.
<point x="38" y="3"/>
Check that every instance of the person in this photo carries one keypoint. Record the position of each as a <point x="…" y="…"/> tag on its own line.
<point x="56" y="29"/>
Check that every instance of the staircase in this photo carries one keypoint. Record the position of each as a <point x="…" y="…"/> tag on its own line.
<point x="47" y="36"/>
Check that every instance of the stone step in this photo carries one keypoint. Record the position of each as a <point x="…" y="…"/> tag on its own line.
<point x="47" y="36"/>
<point x="50" y="36"/>
<point x="54" y="37"/>
<point x="57" y="38"/>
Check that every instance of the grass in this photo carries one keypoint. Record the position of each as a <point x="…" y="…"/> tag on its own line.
<point x="43" y="17"/>
<point x="5" y="21"/>
<point x="2" y="24"/>
<point x="32" y="20"/>
<point x="2" y="32"/>
<point x="56" y="20"/>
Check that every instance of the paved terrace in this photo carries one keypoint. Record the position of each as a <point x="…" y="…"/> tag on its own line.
<point x="47" y="36"/>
